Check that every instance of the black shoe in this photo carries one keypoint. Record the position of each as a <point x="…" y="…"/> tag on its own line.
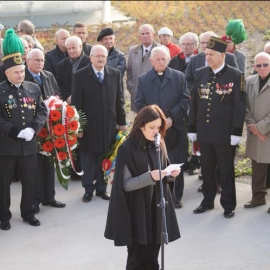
<point x="87" y="197"/>
<point x="104" y="195"/>
<point x="55" y="203"/>
<point x="202" y="209"/>
<point x="178" y="205"/>
<point x="193" y="172"/>
<point x="5" y="225"/>
<point x="36" y="208"/>
<point x="32" y="221"/>
<point x="228" y="213"/>
<point x="200" y="188"/>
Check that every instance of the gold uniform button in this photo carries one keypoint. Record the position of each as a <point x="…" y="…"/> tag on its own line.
<point x="23" y="124"/>
<point x="209" y="104"/>
<point x="208" y="110"/>
<point x="207" y="115"/>
<point x="207" y="121"/>
<point x="22" y="111"/>
<point x="211" y="92"/>
<point x="23" y="117"/>
<point x="209" y="98"/>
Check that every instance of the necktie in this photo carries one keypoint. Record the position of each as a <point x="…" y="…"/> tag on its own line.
<point x="38" y="79"/>
<point x="145" y="52"/>
<point x="99" y="76"/>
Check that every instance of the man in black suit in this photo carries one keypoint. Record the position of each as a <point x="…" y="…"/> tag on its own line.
<point x="22" y="115"/>
<point x="96" y="91"/>
<point x="76" y="60"/>
<point x="216" y="120"/>
<point x="59" y="53"/>
<point x="80" y="30"/>
<point x="45" y="176"/>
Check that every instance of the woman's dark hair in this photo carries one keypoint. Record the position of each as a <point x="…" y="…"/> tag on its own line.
<point x="148" y="114"/>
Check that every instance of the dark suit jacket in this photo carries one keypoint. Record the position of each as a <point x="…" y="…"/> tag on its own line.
<point x="87" y="48"/>
<point x="198" y="61"/>
<point x="52" y="58"/>
<point x="49" y="85"/>
<point x="103" y="105"/>
<point x="64" y="74"/>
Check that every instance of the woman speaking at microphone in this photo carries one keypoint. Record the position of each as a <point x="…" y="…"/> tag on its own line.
<point x="134" y="219"/>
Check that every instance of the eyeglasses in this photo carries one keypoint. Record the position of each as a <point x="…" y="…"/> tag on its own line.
<point x="100" y="56"/>
<point x="38" y="60"/>
<point x="260" y="65"/>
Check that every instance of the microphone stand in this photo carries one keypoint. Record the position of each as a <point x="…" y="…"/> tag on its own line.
<point x="162" y="206"/>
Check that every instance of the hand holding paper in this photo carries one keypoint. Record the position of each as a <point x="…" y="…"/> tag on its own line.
<point x="172" y="167"/>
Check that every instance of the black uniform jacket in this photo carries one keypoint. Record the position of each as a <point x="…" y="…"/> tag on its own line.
<point x="103" y="105"/>
<point x="19" y="109"/>
<point x="218" y="105"/>
<point x="198" y="61"/>
<point x="129" y="213"/>
<point x="49" y="85"/>
<point x="64" y="74"/>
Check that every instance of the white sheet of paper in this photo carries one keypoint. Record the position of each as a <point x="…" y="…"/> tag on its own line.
<point x="172" y="167"/>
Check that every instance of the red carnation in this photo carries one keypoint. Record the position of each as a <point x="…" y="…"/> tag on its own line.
<point x="62" y="155"/>
<point x="43" y="133"/>
<point x="73" y="125"/>
<point x="59" y="130"/>
<point x="70" y="112"/>
<point x="55" y="115"/>
<point x="59" y="143"/>
<point x="47" y="146"/>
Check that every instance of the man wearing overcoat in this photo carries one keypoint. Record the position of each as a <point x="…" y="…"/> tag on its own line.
<point x="97" y="91"/>
<point x="167" y="88"/>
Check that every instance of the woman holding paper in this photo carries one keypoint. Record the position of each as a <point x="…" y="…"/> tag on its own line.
<point x="134" y="220"/>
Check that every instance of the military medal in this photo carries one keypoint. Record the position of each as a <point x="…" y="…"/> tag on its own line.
<point x="10" y="106"/>
<point x="204" y="91"/>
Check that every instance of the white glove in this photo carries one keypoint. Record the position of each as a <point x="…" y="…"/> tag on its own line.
<point x="21" y="134"/>
<point x="235" y="139"/>
<point x="28" y="134"/>
<point x="192" y="136"/>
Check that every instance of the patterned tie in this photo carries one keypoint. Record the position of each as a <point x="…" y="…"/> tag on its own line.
<point x="38" y="79"/>
<point x="99" y="77"/>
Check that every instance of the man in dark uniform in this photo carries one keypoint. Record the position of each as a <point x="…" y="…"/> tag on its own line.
<point x="216" y="118"/>
<point x="45" y="177"/>
<point x="22" y="115"/>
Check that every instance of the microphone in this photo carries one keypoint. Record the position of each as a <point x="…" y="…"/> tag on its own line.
<point x="157" y="140"/>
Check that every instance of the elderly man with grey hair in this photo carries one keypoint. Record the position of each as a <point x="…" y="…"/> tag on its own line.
<point x="97" y="91"/>
<point x="76" y="60"/>
<point x="138" y="60"/>
<point x="167" y="88"/>
<point x="189" y="44"/>
<point x="65" y="69"/>
<point x="257" y="120"/>
<point x="59" y="53"/>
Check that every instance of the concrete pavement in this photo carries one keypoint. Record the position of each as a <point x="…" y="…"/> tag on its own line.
<point x="72" y="238"/>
